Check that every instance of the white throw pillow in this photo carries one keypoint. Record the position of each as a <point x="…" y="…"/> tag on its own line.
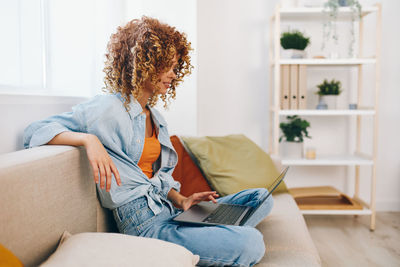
<point x="110" y="249"/>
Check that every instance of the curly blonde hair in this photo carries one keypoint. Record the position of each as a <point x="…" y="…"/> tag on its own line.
<point x="140" y="51"/>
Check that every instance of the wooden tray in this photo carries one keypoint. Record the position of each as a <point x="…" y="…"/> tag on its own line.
<point x="322" y="197"/>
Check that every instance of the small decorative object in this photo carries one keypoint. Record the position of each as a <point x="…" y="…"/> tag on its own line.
<point x="352" y="106"/>
<point x="331" y="8"/>
<point x="322" y="104"/>
<point x="311" y="153"/>
<point x="294" y="132"/>
<point x="294" y="42"/>
<point x="328" y="92"/>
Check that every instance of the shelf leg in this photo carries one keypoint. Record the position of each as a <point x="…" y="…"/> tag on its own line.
<point x="373" y="196"/>
<point x="376" y="124"/>
<point x="372" y="226"/>
<point x="277" y="78"/>
<point x="357" y="182"/>
<point x="271" y="86"/>
<point x="271" y="143"/>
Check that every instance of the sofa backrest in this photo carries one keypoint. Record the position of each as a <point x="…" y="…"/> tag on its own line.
<point x="43" y="192"/>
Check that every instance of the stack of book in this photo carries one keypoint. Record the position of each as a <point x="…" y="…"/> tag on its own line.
<point x="293" y="86"/>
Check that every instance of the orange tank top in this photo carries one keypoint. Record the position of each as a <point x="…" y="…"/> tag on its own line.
<point x="151" y="152"/>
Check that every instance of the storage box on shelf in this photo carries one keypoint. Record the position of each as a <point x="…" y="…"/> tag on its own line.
<point x="279" y="109"/>
<point x="323" y="198"/>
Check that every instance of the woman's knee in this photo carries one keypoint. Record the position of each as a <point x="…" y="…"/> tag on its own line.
<point x="262" y="193"/>
<point x="256" y="192"/>
<point x="251" y="246"/>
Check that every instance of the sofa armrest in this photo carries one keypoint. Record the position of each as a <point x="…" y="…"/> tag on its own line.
<point x="44" y="191"/>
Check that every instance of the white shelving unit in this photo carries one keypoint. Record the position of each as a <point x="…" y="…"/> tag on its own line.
<point x="331" y="160"/>
<point x="317" y="12"/>
<point x="332" y="62"/>
<point x="337" y="112"/>
<point x="276" y="113"/>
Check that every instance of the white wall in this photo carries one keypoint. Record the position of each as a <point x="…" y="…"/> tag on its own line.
<point x="181" y="115"/>
<point x="233" y="68"/>
<point x="233" y="92"/>
<point x="19" y="111"/>
<point x="388" y="185"/>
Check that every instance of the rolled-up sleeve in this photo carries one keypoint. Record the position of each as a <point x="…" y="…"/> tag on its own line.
<point x="41" y="132"/>
<point x="168" y="183"/>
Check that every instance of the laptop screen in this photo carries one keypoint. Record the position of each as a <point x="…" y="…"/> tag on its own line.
<point x="274" y="185"/>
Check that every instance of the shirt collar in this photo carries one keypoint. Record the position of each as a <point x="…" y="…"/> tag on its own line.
<point x="135" y="109"/>
<point x="158" y="119"/>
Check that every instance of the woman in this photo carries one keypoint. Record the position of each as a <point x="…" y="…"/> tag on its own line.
<point x="129" y="149"/>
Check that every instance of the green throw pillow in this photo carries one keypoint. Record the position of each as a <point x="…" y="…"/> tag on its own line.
<point x="233" y="163"/>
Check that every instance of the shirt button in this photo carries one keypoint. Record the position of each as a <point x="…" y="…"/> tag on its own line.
<point x="138" y="141"/>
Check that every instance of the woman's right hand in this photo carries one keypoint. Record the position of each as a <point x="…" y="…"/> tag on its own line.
<point x="102" y="164"/>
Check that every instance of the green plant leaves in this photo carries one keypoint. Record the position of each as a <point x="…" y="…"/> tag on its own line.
<point x="294" y="40"/>
<point x="329" y="88"/>
<point x="295" y="130"/>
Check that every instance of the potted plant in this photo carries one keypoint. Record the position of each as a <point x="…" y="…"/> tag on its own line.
<point x="328" y="92"/>
<point x="294" y="131"/>
<point x="294" y="42"/>
<point x="331" y="8"/>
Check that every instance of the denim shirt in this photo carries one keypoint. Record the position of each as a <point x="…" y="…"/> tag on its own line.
<point x="122" y="133"/>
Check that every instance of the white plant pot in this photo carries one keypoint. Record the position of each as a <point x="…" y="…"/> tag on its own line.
<point x="293" y="150"/>
<point x="293" y="53"/>
<point x="330" y="100"/>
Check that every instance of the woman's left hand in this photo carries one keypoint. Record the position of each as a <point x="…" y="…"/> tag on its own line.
<point x="197" y="198"/>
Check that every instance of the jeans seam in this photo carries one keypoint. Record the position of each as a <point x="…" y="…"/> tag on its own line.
<point x="126" y="223"/>
<point x="141" y="227"/>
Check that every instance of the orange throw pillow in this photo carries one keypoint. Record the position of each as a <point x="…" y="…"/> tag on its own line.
<point x="7" y="258"/>
<point x="186" y="172"/>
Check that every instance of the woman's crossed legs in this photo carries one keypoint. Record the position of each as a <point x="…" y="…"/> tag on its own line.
<point x="218" y="245"/>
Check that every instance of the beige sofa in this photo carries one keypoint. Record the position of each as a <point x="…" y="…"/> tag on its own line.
<point x="47" y="190"/>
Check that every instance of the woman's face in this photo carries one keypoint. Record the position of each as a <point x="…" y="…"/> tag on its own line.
<point x="165" y="79"/>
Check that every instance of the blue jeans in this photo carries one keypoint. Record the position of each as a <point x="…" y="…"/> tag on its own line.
<point x="221" y="245"/>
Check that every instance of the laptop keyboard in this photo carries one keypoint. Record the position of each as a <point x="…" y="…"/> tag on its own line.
<point x="225" y="214"/>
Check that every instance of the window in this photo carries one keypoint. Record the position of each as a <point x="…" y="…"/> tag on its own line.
<point x="55" y="47"/>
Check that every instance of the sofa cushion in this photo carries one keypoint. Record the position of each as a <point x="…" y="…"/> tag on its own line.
<point x="186" y="171"/>
<point x="286" y="237"/>
<point x="111" y="249"/>
<point x="233" y="163"/>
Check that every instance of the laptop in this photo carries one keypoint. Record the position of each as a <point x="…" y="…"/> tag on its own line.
<point x="209" y="213"/>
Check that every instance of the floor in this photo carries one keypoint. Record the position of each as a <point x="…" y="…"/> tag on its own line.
<point x="347" y="241"/>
